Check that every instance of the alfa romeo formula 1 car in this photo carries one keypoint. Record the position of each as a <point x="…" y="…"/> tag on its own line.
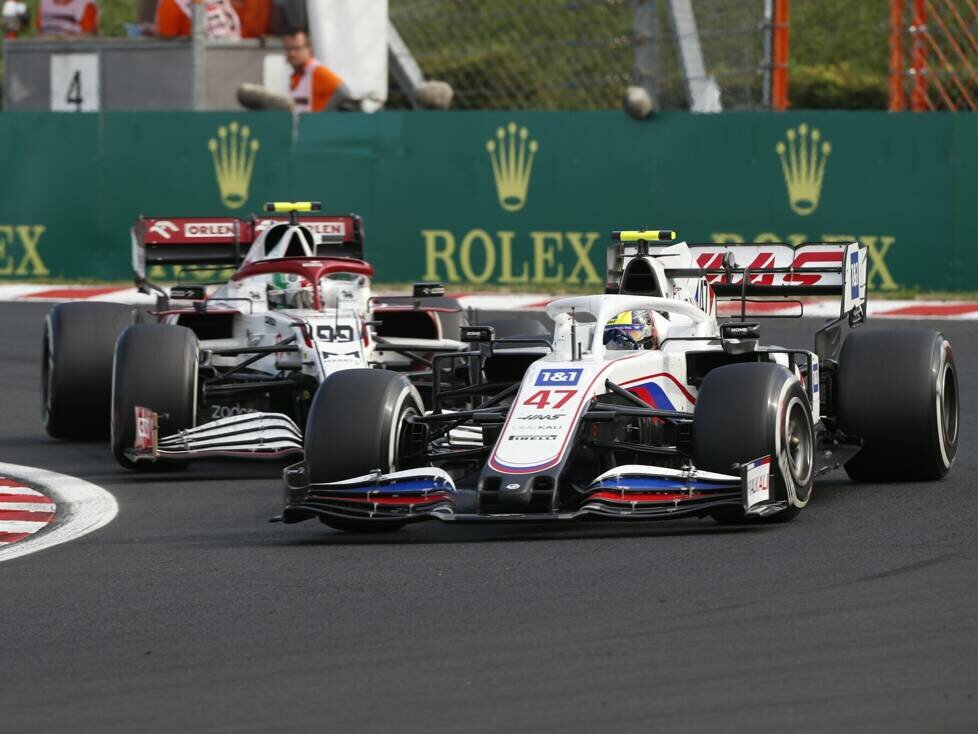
<point x="643" y="406"/>
<point x="232" y="372"/>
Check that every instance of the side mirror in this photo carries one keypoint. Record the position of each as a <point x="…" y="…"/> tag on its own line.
<point x="739" y="338"/>
<point x="427" y="290"/>
<point x="740" y="331"/>
<point x="477" y="334"/>
<point x="188" y="293"/>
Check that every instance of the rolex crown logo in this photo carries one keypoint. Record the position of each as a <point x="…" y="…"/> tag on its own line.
<point x="233" y="152"/>
<point x="512" y="154"/>
<point x="803" y="165"/>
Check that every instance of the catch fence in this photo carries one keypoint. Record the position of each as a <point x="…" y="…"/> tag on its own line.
<point x="933" y="55"/>
<point x="582" y="54"/>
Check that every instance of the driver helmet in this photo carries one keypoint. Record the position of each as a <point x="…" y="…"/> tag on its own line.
<point x="631" y="330"/>
<point x="288" y="290"/>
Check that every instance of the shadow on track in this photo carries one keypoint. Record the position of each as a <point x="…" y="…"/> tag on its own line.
<point x="203" y="473"/>
<point x="435" y="532"/>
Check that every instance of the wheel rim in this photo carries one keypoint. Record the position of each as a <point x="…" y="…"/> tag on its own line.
<point x="947" y="405"/>
<point x="400" y="438"/>
<point x="799" y="444"/>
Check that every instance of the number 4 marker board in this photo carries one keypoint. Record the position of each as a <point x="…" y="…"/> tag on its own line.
<point x="74" y="83"/>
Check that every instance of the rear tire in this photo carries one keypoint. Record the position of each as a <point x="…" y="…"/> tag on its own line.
<point x="897" y="390"/>
<point x="338" y="447"/>
<point x="76" y="368"/>
<point x="746" y="411"/>
<point x="156" y="368"/>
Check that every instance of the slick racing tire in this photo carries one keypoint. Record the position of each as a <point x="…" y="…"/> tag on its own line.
<point x="897" y="390"/>
<point x="746" y="411"/>
<point x="155" y="368"/>
<point x="354" y="428"/>
<point x="76" y="368"/>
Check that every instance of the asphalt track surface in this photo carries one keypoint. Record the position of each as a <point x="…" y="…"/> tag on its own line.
<point x="190" y="612"/>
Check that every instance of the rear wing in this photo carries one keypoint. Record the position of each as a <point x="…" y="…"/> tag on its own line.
<point x="757" y="269"/>
<point x="189" y="241"/>
<point x="225" y="241"/>
<point x="777" y="269"/>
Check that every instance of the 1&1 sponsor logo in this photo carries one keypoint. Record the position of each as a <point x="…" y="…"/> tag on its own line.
<point x="558" y="377"/>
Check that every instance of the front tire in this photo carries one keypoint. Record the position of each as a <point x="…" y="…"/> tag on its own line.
<point x="156" y="368"/>
<point x="76" y="368"/>
<point x="897" y="390"/>
<point x="745" y="411"/>
<point x="355" y="428"/>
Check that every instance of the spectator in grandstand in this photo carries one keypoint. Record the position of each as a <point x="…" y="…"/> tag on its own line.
<point x="255" y="15"/>
<point x="67" y="17"/>
<point x="16" y="18"/>
<point x="174" y="18"/>
<point x="313" y="86"/>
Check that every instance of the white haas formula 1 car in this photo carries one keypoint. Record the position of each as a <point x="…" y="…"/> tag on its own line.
<point x="232" y="373"/>
<point x="643" y="406"/>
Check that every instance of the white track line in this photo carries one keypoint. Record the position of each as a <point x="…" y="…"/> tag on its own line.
<point x="21" y="526"/>
<point x="83" y="507"/>
<point x="27" y="506"/>
<point x="25" y="491"/>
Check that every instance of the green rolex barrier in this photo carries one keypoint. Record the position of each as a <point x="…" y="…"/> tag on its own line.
<point x="523" y="199"/>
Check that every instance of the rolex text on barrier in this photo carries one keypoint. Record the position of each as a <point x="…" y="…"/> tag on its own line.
<point x="518" y="199"/>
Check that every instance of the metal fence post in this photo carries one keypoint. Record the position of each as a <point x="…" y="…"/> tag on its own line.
<point x="644" y="35"/>
<point x="779" y="73"/>
<point x="898" y="101"/>
<point x="198" y="55"/>
<point x="768" y="58"/>
<point x="404" y="67"/>
<point x="702" y="90"/>
<point x="918" y="94"/>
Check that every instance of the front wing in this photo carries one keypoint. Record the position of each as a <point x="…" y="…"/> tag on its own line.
<point x="248" y="436"/>
<point x="632" y="492"/>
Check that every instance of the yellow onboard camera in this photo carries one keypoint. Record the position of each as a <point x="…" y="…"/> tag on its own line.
<point x="284" y="207"/>
<point x="644" y="235"/>
<point x="292" y="208"/>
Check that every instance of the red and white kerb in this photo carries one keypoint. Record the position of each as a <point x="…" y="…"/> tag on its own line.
<point x="23" y="511"/>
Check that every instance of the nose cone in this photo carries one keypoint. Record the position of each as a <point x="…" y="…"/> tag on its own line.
<point x="505" y="493"/>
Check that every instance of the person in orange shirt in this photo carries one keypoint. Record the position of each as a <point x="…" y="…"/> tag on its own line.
<point x="67" y="17"/>
<point x="255" y="15"/>
<point x="313" y="86"/>
<point x="175" y="18"/>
